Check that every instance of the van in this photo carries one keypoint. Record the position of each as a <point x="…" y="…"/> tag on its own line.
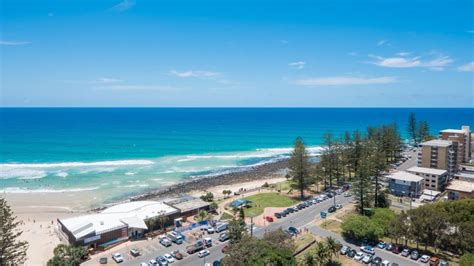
<point x="208" y="242"/>
<point x="221" y="227"/>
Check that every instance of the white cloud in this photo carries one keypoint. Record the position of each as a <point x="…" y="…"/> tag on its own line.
<point x="124" y="5"/>
<point x="12" y="43"/>
<point x="437" y="63"/>
<point x="297" y="65"/>
<point x="403" y="54"/>
<point x="107" y="80"/>
<point x="136" y="87"/>
<point x="194" y="74"/>
<point x="469" y="67"/>
<point x="345" y="81"/>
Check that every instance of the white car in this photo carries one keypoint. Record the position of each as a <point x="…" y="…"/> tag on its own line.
<point x="425" y="258"/>
<point x="385" y="263"/>
<point x="367" y="259"/>
<point x="169" y="258"/>
<point x="203" y="253"/>
<point x="117" y="257"/>
<point x="359" y="255"/>
<point x="152" y="262"/>
<point x="144" y="264"/>
<point x="210" y="230"/>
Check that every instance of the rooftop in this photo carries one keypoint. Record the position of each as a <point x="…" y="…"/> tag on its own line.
<point x="462" y="186"/>
<point x="457" y="131"/>
<point x="438" y="143"/>
<point x="188" y="203"/>
<point x="426" y="170"/>
<point x="465" y="175"/>
<point x="405" y="176"/>
<point x="131" y="214"/>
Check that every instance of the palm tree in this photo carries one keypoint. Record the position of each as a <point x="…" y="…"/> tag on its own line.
<point x="203" y="215"/>
<point x="322" y="254"/>
<point x="308" y="260"/>
<point x="162" y="219"/>
<point x="333" y="246"/>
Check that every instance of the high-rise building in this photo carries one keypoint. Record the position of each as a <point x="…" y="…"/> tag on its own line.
<point x="460" y="138"/>
<point x="439" y="154"/>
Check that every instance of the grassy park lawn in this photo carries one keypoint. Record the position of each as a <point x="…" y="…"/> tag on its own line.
<point x="263" y="200"/>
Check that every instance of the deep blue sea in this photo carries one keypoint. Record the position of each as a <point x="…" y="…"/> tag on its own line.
<point x="122" y="151"/>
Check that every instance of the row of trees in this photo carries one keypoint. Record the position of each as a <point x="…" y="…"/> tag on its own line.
<point x="418" y="132"/>
<point x="443" y="225"/>
<point x="360" y="158"/>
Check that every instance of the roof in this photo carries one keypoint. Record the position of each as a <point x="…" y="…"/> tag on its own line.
<point x="130" y="214"/>
<point x="426" y="170"/>
<point x="438" y="143"/>
<point x="465" y="175"/>
<point x="457" y="131"/>
<point x="462" y="186"/>
<point x="188" y="203"/>
<point x="239" y="202"/>
<point x="405" y="176"/>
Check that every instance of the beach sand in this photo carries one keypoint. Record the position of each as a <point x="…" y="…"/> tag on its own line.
<point x="39" y="211"/>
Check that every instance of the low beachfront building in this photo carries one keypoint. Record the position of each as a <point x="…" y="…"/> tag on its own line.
<point x="188" y="206"/>
<point x="435" y="179"/>
<point x="459" y="189"/>
<point x="405" y="184"/>
<point x="113" y="225"/>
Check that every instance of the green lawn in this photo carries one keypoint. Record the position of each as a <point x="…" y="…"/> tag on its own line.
<point x="263" y="200"/>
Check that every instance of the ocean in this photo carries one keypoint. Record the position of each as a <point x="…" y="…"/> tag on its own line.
<point x="119" y="152"/>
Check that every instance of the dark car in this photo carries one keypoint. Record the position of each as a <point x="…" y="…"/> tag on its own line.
<point x="277" y="215"/>
<point x="283" y="214"/>
<point x="377" y="261"/>
<point x="288" y="232"/>
<point x="351" y="253"/>
<point x="216" y="263"/>
<point x="396" y="249"/>
<point x="332" y="209"/>
<point x="389" y="247"/>
<point x="103" y="260"/>
<point x="291" y="210"/>
<point x="286" y="212"/>
<point x="177" y="255"/>
<point x="293" y="230"/>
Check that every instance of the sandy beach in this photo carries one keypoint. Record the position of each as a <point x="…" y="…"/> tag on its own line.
<point x="39" y="211"/>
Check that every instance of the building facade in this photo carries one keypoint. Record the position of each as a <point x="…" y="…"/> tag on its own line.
<point x="434" y="179"/>
<point x="405" y="184"/>
<point x="439" y="154"/>
<point x="461" y="138"/>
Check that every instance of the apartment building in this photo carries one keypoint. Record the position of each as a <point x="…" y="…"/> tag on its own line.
<point x="434" y="179"/>
<point x="405" y="184"/>
<point x="439" y="154"/>
<point x="461" y="138"/>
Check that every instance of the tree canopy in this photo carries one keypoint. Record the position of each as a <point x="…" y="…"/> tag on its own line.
<point x="12" y="249"/>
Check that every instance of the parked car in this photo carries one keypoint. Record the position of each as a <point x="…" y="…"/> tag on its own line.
<point x="414" y="255"/>
<point x="443" y="263"/>
<point x="405" y="252"/>
<point x="434" y="261"/>
<point x="338" y="206"/>
<point x="134" y="252"/>
<point x="332" y="209"/>
<point x="288" y="232"/>
<point x="210" y="230"/>
<point x="283" y="214"/>
<point x="168" y="258"/>
<point x="367" y="259"/>
<point x="144" y="264"/>
<point x="381" y="245"/>
<point x="277" y="215"/>
<point x="358" y="256"/>
<point x="223" y="237"/>
<point x="165" y="242"/>
<point x="286" y="212"/>
<point x="269" y="219"/>
<point x="203" y="253"/>
<point x="294" y="230"/>
<point x="389" y="247"/>
<point x="161" y="261"/>
<point x="368" y="249"/>
<point x="377" y="261"/>
<point x="177" y="255"/>
<point x="295" y="209"/>
<point x="152" y="262"/>
<point x="425" y="258"/>
<point x="291" y="210"/>
<point x="396" y="249"/>
<point x="351" y="253"/>
<point x="385" y="263"/>
<point x="344" y="250"/>
<point x="117" y="257"/>
<point x="103" y="260"/>
<point x="208" y="242"/>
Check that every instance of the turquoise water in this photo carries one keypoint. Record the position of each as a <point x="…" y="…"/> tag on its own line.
<point x="122" y="151"/>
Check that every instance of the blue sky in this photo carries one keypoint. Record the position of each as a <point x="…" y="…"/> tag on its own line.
<point x="237" y="53"/>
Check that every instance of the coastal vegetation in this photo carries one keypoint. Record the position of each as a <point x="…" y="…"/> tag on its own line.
<point x="300" y="167"/>
<point x="322" y="253"/>
<point x="209" y="197"/>
<point x="12" y="249"/>
<point x="65" y="255"/>
<point x="443" y="225"/>
<point x="275" y="248"/>
<point x="418" y="132"/>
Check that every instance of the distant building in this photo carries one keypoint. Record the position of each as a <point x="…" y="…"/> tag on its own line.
<point x="439" y="154"/>
<point x="188" y="206"/>
<point x="405" y="184"/>
<point x="461" y="138"/>
<point x="459" y="189"/>
<point x="435" y="179"/>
